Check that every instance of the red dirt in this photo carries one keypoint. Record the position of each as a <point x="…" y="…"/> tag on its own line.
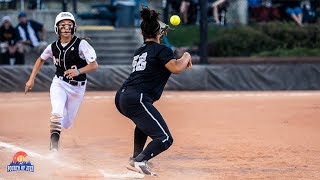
<point x="217" y="135"/>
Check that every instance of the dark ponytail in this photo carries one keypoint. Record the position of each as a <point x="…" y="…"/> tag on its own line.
<point x="149" y="25"/>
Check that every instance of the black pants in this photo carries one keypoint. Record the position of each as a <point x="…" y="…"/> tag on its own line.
<point x="139" y="108"/>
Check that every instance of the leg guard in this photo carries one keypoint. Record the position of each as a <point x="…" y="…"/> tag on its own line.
<point x="55" y="130"/>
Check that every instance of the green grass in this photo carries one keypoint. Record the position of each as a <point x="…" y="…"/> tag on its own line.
<point x="188" y="35"/>
<point x="185" y="35"/>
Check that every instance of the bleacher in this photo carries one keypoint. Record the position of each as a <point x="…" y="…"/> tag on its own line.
<point x="113" y="46"/>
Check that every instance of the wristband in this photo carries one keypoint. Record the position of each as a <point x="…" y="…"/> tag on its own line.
<point x="79" y="71"/>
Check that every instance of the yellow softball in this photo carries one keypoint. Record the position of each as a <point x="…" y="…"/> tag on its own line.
<point x="175" y="20"/>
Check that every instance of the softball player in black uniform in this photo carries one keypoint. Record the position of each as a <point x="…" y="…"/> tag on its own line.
<point x="152" y="64"/>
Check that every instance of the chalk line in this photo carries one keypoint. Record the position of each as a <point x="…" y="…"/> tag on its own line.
<point x="129" y="174"/>
<point x="51" y="157"/>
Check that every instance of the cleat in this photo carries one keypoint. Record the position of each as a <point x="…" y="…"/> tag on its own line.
<point x="149" y="164"/>
<point x="140" y="167"/>
<point x="55" y="130"/>
<point x="54" y="142"/>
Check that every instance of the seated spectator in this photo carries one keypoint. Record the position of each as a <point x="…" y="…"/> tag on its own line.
<point x="29" y="33"/>
<point x="293" y="10"/>
<point x="11" y="51"/>
<point x="219" y="9"/>
<point x="263" y="10"/>
<point x="254" y="3"/>
<point x="184" y="7"/>
<point x="309" y="12"/>
<point x="254" y="7"/>
<point x="175" y="6"/>
<point x="188" y="11"/>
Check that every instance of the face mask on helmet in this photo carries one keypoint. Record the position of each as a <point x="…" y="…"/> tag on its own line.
<point x="164" y="28"/>
<point x="66" y="26"/>
<point x="65" y="16"/>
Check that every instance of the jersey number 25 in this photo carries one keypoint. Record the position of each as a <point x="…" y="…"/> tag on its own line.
<point x="139" y="62"/>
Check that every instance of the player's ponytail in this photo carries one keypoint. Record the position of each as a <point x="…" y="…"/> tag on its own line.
<point x="149" y="25"/>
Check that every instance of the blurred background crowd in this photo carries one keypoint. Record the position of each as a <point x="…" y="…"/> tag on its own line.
<point x="25" y="24"/>
<point x="300" y="11"/>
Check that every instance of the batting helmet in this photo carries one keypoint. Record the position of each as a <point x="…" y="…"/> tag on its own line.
<point x="62" y="16"/>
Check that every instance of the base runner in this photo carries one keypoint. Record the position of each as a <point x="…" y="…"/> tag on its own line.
<point x="73" y="58"/>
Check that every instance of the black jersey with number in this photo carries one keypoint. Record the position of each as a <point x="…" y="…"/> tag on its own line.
<point x="149" y="74"/>
<point x="68" y="57"/>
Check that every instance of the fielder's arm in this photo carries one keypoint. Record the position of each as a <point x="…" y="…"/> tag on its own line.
<point x="30" y="83"/>
<point x="176" y="66"/>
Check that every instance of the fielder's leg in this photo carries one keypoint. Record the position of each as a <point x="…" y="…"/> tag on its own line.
<point x="140" y="139"/>
<point x="148" y="119"/>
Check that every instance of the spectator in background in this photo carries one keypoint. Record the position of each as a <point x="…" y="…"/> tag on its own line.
<point x="29" y="33"/>
<point x="184" y="7"/>
<point x="293" y="9"/>
<point x="254" y="3"/>
<point x="188" y="11"/>
<point x="309" y="11"/>
<point x="254" y="9"/>
<point x="263" y="11"/>
<point x="219" y="8"/>
<point x="175" y="6"/>
<point x="11" y="50"/>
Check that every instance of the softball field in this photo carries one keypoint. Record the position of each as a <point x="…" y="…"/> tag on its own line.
<point x="217" y="135"/>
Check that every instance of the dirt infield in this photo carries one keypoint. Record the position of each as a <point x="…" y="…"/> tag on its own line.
<point x="217" y="135"/>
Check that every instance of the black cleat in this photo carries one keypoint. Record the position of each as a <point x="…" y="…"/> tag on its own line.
<point x="54" y="141"/>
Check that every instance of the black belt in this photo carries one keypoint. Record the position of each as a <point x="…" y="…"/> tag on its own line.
<point x="72" y="82"/>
